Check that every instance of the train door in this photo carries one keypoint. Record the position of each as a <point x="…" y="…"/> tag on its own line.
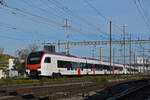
<point x="93" y="66"/>
<point x="47" y="66"/>
<point x="78" y="69"/>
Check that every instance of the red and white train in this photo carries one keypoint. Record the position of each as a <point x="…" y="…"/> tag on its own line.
<point x="44" y="63"/>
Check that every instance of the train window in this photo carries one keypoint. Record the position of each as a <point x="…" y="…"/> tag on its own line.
<point x="89" y="65"/>
<point x="82" y="66"/>
<point x="71" y="66"/>
<point x="47" y="60"/>
<point x="61" y="64"/>
<point x="104" y="67"/>
<point x="65" y="64"/>
<point x="34" y="58"/>
<point x="115" y="68"/>
<point x="121" y="68"/>
<point x="107" y="67"/>
<point x="74" y="65"/>
<point x="98" y="67"/>
<point x="68" y="65"/>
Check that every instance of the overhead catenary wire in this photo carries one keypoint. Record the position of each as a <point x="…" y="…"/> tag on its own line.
<point x="67" y="10"/>
<point x="100" y="14"/>
<point x="62" y="17"/>
<point x="12" y="27"/>
<point x="31" y="14"/>
<point x="144" y="13"/>
<point x="73" y="29"/>
<point x="28" y="13"/>
<point x="21" y="12"/>
<point x="13" y="38"/>
<point x="47" y="12"/>
<point x="27" y="16"/>
<point x="104" y="17"/>
<point x="141" y="13"/>
<point x="41" y="9"/>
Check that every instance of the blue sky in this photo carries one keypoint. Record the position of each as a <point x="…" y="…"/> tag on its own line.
<point x="35" y="21"/>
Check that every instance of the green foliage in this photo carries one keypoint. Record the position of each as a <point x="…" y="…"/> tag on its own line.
<point x="1" y="50"/>
<point x="19" y="66"/>
<point x="10" y="81"/>
<point x="3" y="62"/>
<point x="98" y="79"/>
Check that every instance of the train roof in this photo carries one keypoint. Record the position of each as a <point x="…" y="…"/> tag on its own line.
<point x="56" y="53"/>
<point x="62" y="54"/>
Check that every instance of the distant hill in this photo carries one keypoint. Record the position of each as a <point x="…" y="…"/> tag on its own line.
<point x="6" y="56"/>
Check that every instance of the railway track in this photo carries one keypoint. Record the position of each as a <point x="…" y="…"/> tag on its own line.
<point x="127" y="92"/>
<point x="123" y="91"/>
<point x="79" y="90"/>
<point x="49" y="91"/>
<point x="139" y="93"/>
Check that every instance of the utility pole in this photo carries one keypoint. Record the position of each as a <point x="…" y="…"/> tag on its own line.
<point x="135" y="63"/>
<point x="121" y="51"/>
<point x="124" y="40"/>
<point x="130" y="52"/>
<point x="143" y="60"/>
<point x="114" y="55"/>
<point x="58" y="46"/>
<point x="93" y="51"/>
<point x="113" y="60"/>
<point x="67" y="36"/>
<point x="101" y="54"/>
<point x="110" y="44"/>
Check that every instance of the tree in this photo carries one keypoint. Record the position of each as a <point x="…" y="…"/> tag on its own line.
<point x="1" y="2"/>
<point x="19" y="66"/>
<point x="23" y="53"/>
<point x="1" y="50"/>
<point x="33" y="47"/>
<point x="3" y="62"/>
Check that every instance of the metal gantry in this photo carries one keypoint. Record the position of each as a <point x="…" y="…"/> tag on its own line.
<point x="99" y="42"/>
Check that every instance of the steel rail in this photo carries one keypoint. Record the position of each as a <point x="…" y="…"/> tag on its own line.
<point x="127" y="92"/>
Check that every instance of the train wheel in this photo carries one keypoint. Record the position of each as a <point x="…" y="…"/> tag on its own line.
<point x="56" y="75"/>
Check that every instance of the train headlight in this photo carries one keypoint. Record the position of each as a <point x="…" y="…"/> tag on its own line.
<point x="28" y="71"/>
<point x="39" y="70"/>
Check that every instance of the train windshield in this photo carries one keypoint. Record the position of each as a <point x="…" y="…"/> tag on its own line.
<point x="34" y="58"/>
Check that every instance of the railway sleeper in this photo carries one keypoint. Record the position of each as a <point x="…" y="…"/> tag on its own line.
<point x="56" y="75"/>
<point x="127" y="92"/>
<point x="28" y="97"/>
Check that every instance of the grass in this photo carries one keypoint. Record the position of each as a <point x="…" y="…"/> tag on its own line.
<point x="12" y="81"/>
<point x="99" y="79"/>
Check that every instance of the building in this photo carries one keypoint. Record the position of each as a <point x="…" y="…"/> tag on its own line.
<point x="11" y="63"/>
<point x="8" y="65"/>
<point x="12" y="71"/>
<point x="143" y="65"/>
<point x="2" y="74"/>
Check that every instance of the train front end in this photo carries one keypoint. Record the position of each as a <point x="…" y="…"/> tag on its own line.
<point x="33" y="64"/>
